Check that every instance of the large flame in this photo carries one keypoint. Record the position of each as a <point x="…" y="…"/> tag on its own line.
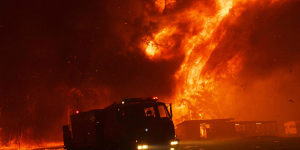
<point x="193" y="87"/>
<point x="195" y="96"/>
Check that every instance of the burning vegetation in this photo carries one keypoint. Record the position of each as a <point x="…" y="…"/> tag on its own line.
<point x="210" y="58"/>
<point x="234" y="56"/>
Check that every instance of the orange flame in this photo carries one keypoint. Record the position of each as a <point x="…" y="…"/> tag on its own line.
<point x="17" y="145"/>
<point x="195" y="91"/>
<point x="159" y="47"/>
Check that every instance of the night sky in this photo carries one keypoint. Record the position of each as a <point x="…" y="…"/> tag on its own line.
<point x="59" y="54"/>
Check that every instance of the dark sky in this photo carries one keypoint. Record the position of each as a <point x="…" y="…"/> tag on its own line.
<point x="73" y="53"/>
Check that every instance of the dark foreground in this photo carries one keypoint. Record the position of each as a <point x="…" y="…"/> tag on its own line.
<point x="254" y="143"/>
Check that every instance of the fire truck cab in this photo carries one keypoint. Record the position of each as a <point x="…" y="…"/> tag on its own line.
<point x="134" y="123"/>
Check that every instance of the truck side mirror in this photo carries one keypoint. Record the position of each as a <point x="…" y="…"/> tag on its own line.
<point x="171" y="112"/>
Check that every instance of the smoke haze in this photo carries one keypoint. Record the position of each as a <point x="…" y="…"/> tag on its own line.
<point x="57" y="56"/>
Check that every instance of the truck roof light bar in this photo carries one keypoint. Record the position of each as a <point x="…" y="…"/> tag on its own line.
<point x="77" y="112"/>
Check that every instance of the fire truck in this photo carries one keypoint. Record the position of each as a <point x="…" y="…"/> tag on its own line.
<point x="132" y="124"/>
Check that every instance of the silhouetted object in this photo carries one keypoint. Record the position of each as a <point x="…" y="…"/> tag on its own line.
<point x="193" y="130"/>
<point x="256" y="128"/>
<point x="135" y="123"/>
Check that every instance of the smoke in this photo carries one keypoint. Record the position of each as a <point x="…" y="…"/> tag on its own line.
<point x="265" y="37"/>
<point x="57" y="56"/>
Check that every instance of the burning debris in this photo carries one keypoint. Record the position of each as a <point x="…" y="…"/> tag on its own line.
<point x="291" y="128"/>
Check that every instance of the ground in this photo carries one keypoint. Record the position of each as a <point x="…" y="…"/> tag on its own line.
<point x="254" y="143"/>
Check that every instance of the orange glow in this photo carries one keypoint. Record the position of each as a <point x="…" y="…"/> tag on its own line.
<point x="290" y="128"/>
<point x="196" y="96"/>
<point x="190" y="85"/>
<point x="161" y="5"/>
<point x="194" y="87"/>
<point x="19" y="145"/>
<point x="155" y="97"/>
<point x="203" y="133"/>
<point x="77" y="112"/>
<point x="158" y="47"/>
<point x="151" y="49"/>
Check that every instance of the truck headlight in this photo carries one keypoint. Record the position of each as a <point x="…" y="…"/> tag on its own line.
<point x="142" y="147"/>
<point x="174" y="143"/>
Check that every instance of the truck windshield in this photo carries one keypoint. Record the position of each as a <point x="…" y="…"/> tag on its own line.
<point x="163" y="112"/>
<point x="138" y="112"/>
